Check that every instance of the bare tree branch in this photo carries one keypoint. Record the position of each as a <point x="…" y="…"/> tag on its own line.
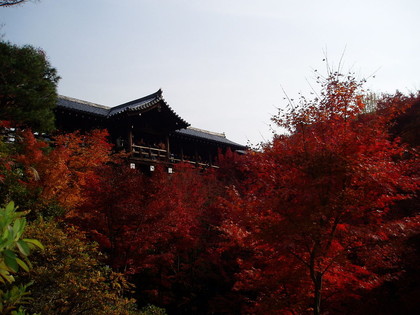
<point x="8" y="3"/>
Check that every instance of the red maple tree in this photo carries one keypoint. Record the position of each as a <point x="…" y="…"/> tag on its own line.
<point x="148" y="224"/>
<point x="317" y="198"/>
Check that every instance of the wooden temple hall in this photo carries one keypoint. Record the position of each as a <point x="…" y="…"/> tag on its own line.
<point x="149" y="129"/>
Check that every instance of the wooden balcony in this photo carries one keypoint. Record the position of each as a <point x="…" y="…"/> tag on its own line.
<point x="152" y="155"/>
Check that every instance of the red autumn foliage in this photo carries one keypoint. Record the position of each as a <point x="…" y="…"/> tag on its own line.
<point x="153" y="225"/>
<point x="132" y="213"/>
<point x="321" y="213"/>
<point x="317" y="198"/>
<point x="157" y="228"/>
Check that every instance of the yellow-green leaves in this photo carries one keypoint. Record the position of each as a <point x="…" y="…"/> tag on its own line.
<point x="33" y="243"/>
<point x="14" y="250"/>
<point x="14" y="253"/>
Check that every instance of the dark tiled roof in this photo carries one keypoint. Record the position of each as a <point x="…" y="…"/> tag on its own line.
<point x="145" y="103"/>
<point x="209" y="136"/>
<point x="142" y="104"/>
<point x="139" y="104"/>
<point x="100" y="110"/>
<point x="82" y="106"/>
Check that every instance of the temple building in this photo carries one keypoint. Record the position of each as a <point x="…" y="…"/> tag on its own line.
<point x="149" y="129"/>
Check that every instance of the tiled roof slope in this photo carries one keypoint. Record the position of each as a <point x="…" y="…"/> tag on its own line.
<point x="82" y="106"/>
<point x="210" y="136"/>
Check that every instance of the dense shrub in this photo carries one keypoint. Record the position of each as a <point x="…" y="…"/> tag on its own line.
<point x="69" y="277"/>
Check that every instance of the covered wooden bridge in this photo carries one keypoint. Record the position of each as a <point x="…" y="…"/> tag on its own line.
<point x="148" y="128"/>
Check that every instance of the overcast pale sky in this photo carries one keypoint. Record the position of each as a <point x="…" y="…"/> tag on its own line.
<point x="222" y="64"/>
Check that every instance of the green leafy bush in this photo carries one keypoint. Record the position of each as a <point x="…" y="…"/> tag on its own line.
<point x="13" y="255"/>
<point x="69" y="277"/>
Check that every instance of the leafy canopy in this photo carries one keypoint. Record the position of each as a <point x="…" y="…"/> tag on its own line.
<point x="316" y="200"/>
<point x="27" y="87"/>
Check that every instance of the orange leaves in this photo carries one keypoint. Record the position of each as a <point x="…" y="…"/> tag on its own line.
<point x="85" y="151"/>
<point x="32" y="151"/>
<point x="73" y="163"/>
<point x="61" y="171"/>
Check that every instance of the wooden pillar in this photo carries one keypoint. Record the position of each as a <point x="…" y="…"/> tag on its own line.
<point x="196" y="154"/>
<point x="168" y="151"/>
<point x="130" y="140"/>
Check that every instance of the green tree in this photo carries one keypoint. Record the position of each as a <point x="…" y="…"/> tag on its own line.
<point x="69" y="277"/>
<point x="27" y="87"/>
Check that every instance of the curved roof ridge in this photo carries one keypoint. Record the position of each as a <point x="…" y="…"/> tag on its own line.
<point x="155" y="95"/>
<point x="140" y="103"/>
<point x="144" y="103"/>
<point x="187" y="124"/>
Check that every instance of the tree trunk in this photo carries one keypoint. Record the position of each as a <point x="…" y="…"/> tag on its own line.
<point x="318" y="287"/>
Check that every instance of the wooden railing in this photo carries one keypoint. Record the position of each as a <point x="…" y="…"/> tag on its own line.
<point x="150" y="153"/>
<point x="153" y="154"/>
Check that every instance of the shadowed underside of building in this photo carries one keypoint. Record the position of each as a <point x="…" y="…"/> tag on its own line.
<point x="148" y="128"/>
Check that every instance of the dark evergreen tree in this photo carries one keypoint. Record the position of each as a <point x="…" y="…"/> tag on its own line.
<point x="27" y="87"/>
